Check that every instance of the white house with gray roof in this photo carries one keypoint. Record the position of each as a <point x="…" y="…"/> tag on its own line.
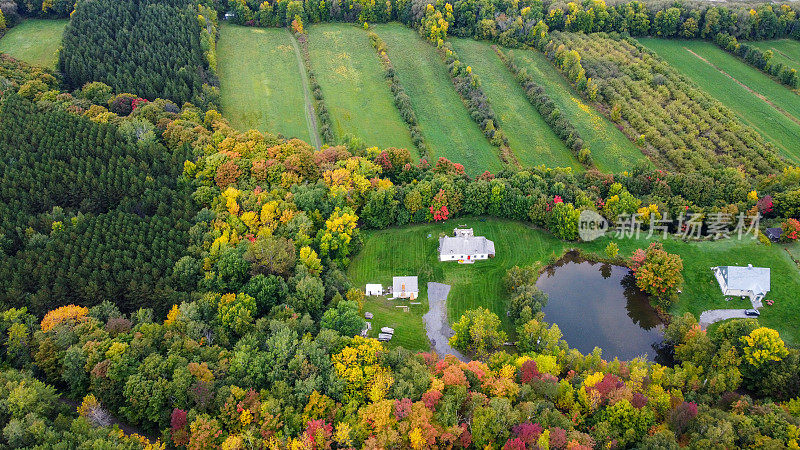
<point x="752" y="282"/>
<point x="463" y="246"/>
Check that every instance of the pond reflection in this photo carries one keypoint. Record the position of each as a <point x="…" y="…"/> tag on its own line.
<point x="598" y="304"/>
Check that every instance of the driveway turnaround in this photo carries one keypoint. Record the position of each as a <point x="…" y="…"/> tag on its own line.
<point x="715" y="315"/>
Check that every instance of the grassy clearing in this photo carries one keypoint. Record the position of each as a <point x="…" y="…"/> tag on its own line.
<point x="529" y="136"/>
<point x="753" y="108"/>
<point x="786" y="51"/>
<point x="611" y="150"/>
<point x="260" y="81"/>
<point x="443" y="118"/>
<point x="34" y="41"/>
<point x="356" y="92"/>
<point x="406" y="250"/>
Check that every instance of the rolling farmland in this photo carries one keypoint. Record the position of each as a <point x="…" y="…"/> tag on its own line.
<point x="529" y="136"/>
<point x="352" y="80"/>
<point x="772" y="109"/>
<point x="260" y="81"/>
<point x="443" y="118"/>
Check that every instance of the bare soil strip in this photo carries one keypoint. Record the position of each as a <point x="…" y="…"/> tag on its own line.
<point x="311" y="114"/>
<point x="765" y="99"/>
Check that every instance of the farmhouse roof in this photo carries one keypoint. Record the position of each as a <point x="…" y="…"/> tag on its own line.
<point x="465" y="245"/>
<point x="411" y="284"/>
<point x="754" y="279"/>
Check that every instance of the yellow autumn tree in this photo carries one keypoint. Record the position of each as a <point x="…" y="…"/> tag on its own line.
<point x="762" y="346"/>
<point x="359" y="365"/>
<point x="69" y="313"/>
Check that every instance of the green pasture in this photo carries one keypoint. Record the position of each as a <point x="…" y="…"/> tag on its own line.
<point x="356" y="91"/>
<point x="529" y="136"/>
<point x="611" y="150"/>
<point x="260" y="81"/>
<point x="444" y="120"/>
<point x="35" y="41"/>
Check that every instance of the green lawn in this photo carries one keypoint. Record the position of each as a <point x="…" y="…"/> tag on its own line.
<point x="260" y="81"/>
<point x="776" y="127"/>
<point x="786" y="51"/>
<point x="405" y="251"/>
<point x="611" y="150"/>
<point x="356" y="92"/>
<point x="445" y="122"/>
<point x="529" y="136"/>
<point x="34" y="41"/>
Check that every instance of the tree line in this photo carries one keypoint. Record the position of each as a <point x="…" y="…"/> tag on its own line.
<point x="512" y="23"/>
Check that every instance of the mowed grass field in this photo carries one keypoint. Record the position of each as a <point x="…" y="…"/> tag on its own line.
<point x="611" y="150"/>
<point x="445" y="122"/>
<point x="34" y="41"/>
<point x="356" y="92"/>
<point x="764" y="104"/>
<point x="786" y="51"/>
<point x="529" y="136"/>
<point x="405" y="251"/>
<point x="260" y="81"/>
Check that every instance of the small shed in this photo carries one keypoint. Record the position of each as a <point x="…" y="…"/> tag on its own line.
<point x="374" y="289"/>
<point x="752" y="282"/>
<point x="405" y="287"/>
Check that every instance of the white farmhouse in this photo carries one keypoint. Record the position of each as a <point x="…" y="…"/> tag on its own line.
<point x="752" y="282"/>
<point x="405" y="287"/>
<point x="463" y="246"/>
<point x="373" y="289"/>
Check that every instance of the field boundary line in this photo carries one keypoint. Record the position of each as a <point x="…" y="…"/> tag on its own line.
<point x="749" y="89"/>
<point x="311" y="114"/>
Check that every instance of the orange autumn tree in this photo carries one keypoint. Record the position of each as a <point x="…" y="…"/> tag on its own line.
<point x="69" y="313"/>
<point x="658" y="273"/>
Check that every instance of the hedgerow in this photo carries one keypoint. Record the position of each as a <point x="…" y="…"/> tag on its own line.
<point x="468" y="86"/>
<point x="325" y="123"/>
<point x="762" y="61"/>
<point x="560" y="125"/>
<point x="401" y="100"/>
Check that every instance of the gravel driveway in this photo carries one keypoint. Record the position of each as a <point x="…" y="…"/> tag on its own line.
<point x="436" y="324"/>
<point x="715" y="315"/>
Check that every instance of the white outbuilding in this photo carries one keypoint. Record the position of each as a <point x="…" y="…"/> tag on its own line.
<point x="752" y="282"/>
<point x="463" y="246"/>
<point x="405" y="287"/>
<point x="374" y="289"/>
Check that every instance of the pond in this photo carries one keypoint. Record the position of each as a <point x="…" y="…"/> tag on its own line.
<point x="598" y="304"/>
